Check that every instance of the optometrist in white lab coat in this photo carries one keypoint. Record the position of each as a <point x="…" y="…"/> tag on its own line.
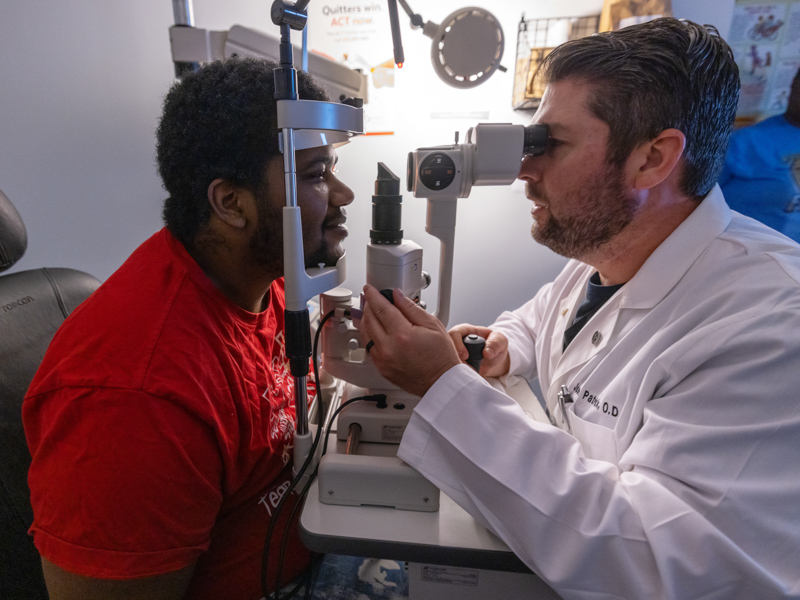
<point x="681" y="478"/>
<point x="674" y="471"/>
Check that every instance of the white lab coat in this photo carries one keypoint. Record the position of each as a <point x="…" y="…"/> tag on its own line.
<point x="681" y="478"/>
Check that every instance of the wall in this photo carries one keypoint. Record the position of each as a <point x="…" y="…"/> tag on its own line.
<point x="81" y="85"/>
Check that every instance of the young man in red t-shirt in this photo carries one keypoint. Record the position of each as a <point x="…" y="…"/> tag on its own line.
<point x="160" y="422"/>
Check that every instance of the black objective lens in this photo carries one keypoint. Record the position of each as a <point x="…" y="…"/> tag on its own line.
<point x="386" y="209"/>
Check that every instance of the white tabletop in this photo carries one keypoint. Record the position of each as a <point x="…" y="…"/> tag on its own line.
<point x="449" y="536"/>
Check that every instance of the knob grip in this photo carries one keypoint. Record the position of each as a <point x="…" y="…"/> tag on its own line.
<point x="475" y="345"/>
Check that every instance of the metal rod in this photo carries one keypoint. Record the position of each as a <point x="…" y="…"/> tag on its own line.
<point x="289" y="168"/>
<point x="301" y="404"/>
<point x="416" y="19"/>
<point x="182" y="10"/>
<point x="305" y="50"/>
<point x="290" y="182"/>
<point x="406" y="7"/>
<point x="397" y="41"/>
<point x="353" y="436"/>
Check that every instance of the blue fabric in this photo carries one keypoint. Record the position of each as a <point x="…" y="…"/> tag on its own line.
<point x="761" y="178"/>
<point x="354" y="578"/>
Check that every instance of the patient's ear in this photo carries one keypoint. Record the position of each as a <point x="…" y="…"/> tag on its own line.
<point x="228" y="202"/>
<point x="655" y="160"/>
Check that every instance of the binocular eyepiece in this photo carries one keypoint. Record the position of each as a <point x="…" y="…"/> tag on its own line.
<point x="535" y="142"/>
<point x="491" y="155"/>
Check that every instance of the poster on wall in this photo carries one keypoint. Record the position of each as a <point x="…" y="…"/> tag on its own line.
<point x="765" y="38"/>
<point x="357" y="34"/>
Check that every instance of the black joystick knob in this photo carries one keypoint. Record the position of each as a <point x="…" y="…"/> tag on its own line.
<point x="475" y="345"/>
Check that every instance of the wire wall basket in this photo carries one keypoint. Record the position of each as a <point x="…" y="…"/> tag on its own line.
<point x="536" y="38"/>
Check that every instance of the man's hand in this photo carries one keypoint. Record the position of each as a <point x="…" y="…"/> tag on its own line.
<point x="410" y="347"/>
<point x="495" y="354"/>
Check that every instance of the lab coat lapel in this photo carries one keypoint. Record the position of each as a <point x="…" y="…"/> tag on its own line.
<point x="590" y="341"/>
<point x="566" y="314"/>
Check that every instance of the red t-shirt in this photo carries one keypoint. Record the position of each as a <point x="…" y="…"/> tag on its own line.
<point x="160" y="425"/>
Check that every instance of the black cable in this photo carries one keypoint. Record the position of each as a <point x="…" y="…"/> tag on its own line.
<point x="307" y="579"/>
<point x="371" y="398"/>
<point x="316" y="567"/>
<point x="320" y="423"/>
<point x="296" y="479"/>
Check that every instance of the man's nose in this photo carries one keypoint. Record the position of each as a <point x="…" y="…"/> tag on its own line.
<point x="341" y="194"/>
<point x="530" y="170"/>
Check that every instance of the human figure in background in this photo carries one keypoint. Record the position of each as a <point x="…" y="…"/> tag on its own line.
<point x="761" y="178"/>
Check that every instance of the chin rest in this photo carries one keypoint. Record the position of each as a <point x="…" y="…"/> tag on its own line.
<point x="33" y="304"/>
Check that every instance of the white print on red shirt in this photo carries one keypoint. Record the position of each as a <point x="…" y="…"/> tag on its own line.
<point x="281" y="396"/>
<point x="270" y="499"/>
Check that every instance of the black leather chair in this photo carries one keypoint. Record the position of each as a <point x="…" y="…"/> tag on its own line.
<point x="33" y="304"/>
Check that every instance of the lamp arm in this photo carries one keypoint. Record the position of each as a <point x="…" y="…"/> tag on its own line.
<point x="416" y="20"/>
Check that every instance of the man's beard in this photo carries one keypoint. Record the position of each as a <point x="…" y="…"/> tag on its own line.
<point x="604" y="212"/>
<point x="266" y="245"/>
<point x="324" y="255"/>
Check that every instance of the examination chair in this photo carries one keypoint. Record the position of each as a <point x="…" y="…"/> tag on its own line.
<point x="33" y="304"/>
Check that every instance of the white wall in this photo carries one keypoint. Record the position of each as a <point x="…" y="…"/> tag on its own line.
<point x="81" y="85"/>
<point x="708" y="12"/>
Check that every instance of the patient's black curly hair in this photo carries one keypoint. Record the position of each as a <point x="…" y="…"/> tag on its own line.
<point x="219" y="122"/>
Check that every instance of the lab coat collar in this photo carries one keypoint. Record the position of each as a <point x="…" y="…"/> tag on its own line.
<point x="670" y="261"/>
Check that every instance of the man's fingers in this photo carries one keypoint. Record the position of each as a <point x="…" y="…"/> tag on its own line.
<point x="411" y="348"/>
<point x="379" y="305"/>
<point x="372" y="322"/>
<point x="412" y="311"/>
<point x="458" y="342"/>
<point x="370" y="325"/>
<point x="496" y="344"/>
<point x="457" y="334"/>
<point x="379" y="311"/>
<point x="496" y="360"/>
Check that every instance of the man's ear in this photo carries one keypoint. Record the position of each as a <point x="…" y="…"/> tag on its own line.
<point x="654" y="160"/>
<point x="227" y="202"/>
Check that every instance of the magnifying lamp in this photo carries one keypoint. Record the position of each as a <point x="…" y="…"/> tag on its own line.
<point x="467" y="46"/>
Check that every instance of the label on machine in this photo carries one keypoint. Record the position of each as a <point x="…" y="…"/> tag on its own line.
<point x="392" y="434"/>
<point x="450" y="575"/>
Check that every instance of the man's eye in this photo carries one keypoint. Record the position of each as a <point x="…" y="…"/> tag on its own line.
<point x="553" y="143"/>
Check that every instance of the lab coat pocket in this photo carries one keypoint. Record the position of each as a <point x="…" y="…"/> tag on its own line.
<point x="598" y="442"/>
